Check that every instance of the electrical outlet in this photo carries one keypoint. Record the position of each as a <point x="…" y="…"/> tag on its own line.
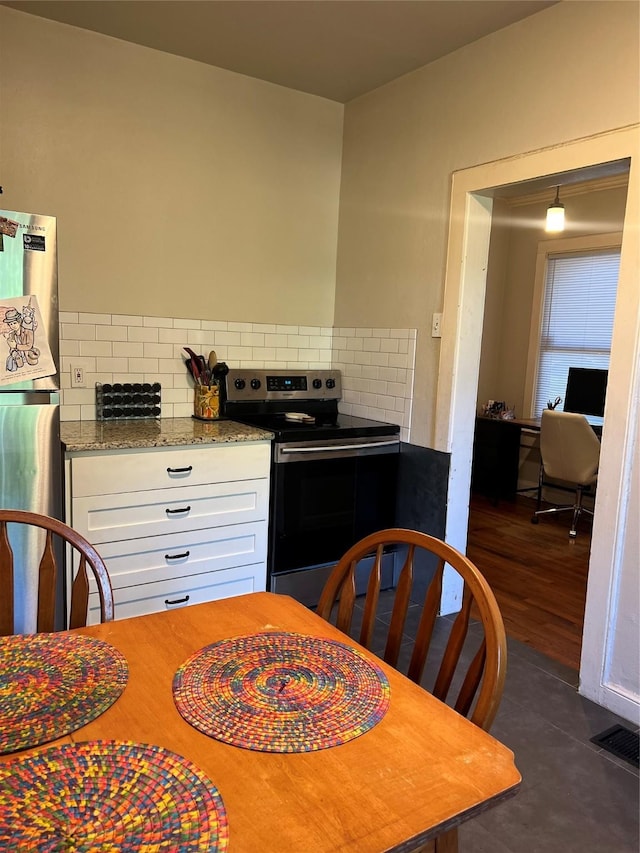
<point x="77" y="377"/>
<point x="436" y="326"/>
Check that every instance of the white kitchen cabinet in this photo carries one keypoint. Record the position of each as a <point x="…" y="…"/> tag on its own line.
<point x="175" y="526"/>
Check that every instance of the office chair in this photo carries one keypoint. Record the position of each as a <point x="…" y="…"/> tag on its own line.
<point x="570" y="453"/>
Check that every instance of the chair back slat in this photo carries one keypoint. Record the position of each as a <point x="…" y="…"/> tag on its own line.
<point x="49" y="573"/>
<point x="47" y="576"/>
<point x="371" y="601"/>
<point x="472" y="681"/>
<point x="6" y="583"/>
<point x="400" y="609"/>
<point x="477" y="660"/>
<point x="347" y="598"/>
<point x="427" y="623"/>
<point x="79" y="596"/>
<point x="451" y="657"/>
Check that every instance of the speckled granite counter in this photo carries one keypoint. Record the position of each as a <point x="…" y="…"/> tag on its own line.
<point x="79" y="436"/>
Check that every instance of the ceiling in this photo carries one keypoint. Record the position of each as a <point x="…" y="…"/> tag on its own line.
<point x="338" y="49"/>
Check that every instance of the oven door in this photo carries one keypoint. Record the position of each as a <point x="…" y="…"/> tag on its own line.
<point x="328" y="495"/>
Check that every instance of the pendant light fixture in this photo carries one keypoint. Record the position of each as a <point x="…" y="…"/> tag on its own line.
<point x="555" y="214"/>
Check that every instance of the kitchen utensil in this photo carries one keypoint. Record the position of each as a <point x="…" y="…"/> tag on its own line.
<point x="213" y="359"/>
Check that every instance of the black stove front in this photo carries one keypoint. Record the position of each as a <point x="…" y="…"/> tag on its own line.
<point x="333" y="477"/>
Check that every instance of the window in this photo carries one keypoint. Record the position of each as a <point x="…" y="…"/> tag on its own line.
<point x="576" y="317"/>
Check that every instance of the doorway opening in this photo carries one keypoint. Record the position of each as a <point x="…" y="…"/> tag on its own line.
<point x="470" y="227"/>
<point x="538" y="574"/>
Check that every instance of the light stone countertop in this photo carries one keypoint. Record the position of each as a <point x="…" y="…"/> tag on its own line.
<point x="84" y="436"/>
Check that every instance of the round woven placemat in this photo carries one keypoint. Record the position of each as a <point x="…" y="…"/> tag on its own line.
<point x="109" y="795"/>
<point x="52" y="684"/>
<point x="281" y="692"/>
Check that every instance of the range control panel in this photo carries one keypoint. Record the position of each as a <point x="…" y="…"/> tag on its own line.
<point x="254" y="384"/>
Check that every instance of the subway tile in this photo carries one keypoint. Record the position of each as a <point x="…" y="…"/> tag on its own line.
<point x="227" y="339"/>
<point x="69" y="413"/>
<point x="298" y="341"/>
<point x="155" y="351"/>
<point x="96" y="319"/>
<point x="126" y="320"/>
<point x="251" y="339"/>
<point x="96" y="348"/>
<point x="215" y="325"/>
<point x="264" y="354"/>
<point x="157" y="322"/>
<point x="380" y="358"/>
<point x="67" y="317"/>
<point x="179" y="323"/>
<point x="112" y="365"/>
<point x="286" y="355"/>
<point x="69" y="347"/>
<point x="236" y="353"/>
<point x="397" y="360"/>
<point x="389" y="345"/>
<point x="78" y="332"/>
<point x="171" y="336"/>
<point x="275" y="340"/>
<point x="111" y="333"/>
<point x="354" y="344"/>
<point x="88" y="412"/>
<point x="143" y="334"/>
<point x="240" y="327"/>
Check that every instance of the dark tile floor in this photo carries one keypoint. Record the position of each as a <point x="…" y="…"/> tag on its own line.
<point x="575" y="797"/>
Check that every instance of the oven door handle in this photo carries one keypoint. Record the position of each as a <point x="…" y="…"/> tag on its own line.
<point x="332" y="448"/>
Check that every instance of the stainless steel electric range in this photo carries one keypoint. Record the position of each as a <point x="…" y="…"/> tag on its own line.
<point x="333" y="476"/>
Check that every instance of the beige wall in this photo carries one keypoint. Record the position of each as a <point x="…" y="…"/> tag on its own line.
<point x="516" y="232"/>
<point x="497" y="98"/>
<point x="181" y="190"/>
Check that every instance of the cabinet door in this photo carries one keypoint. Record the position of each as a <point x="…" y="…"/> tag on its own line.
<point x="180" y="592"/>
<point x="175" y="467"/>
<point x="160" y="559"/>
<point x="134" y="515"/>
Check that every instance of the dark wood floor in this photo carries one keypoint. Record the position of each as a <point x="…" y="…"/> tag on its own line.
<point x="538" y="576"/>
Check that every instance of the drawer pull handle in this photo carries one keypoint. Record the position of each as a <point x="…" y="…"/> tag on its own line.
<point x="174" y="511"/>
<point x="180" y="470"/>
<point x="177" y="556"/>
<point x="178" y="600"/>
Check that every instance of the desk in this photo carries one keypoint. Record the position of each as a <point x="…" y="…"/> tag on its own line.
<point x="421" y="770"/>
<point x="496" y="455"/>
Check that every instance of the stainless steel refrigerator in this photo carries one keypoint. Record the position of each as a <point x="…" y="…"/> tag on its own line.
<point x="31" y="463"/>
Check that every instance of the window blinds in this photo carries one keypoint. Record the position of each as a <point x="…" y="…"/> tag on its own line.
<point x="577" y="318"/>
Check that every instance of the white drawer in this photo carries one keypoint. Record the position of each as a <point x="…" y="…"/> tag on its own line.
<point x="181" y="592"/>
<point x="156" y="558"/>
<point x="133" y="515"/>
<point x="145" y="470"/>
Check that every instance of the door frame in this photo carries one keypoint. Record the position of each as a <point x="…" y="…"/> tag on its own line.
<point x="463" y="312"/>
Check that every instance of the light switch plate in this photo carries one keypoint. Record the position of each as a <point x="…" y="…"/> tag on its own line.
<point x="436" y="326"/>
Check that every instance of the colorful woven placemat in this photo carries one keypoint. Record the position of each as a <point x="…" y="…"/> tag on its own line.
<point x="52" y="684"/>
<point x="109" y="795"/>
<point x="281" y="692"/>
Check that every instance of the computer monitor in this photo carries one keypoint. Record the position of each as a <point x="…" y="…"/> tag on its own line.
<point x="586" y="391"/>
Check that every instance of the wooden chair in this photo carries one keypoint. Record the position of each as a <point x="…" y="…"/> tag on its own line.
<point x="480" y="681"/>
<point x="49" y="572"/>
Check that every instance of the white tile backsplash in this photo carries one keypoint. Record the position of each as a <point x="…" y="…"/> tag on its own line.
<point x="377" y="365"/>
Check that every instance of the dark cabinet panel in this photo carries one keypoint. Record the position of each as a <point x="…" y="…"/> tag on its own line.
<point x="496" y="452"/>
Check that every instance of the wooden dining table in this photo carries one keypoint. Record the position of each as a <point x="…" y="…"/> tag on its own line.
<point x="421" y="770"/>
